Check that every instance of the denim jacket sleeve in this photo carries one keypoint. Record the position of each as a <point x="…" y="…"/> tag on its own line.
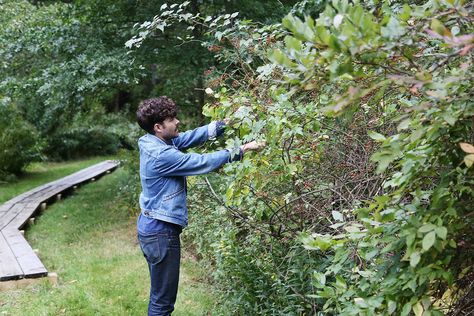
<point x="172" y="162"/>
<point x="199" y="135"/>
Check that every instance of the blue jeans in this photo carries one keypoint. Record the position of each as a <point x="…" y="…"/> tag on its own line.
<point x="162" y="251"/>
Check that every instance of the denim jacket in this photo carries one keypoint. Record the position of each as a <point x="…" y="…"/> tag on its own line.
<point x="163" y="171"/>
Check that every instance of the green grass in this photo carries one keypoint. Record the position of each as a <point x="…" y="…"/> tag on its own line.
<point x="91" y="244"/>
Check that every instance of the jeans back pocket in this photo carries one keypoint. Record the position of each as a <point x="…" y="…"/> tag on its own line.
<point x="154" y="247"/>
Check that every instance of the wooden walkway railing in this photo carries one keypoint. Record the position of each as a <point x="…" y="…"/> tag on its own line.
<point x="17" y="258"/>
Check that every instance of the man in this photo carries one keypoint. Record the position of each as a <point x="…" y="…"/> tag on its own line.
<point x="163" y="171"/>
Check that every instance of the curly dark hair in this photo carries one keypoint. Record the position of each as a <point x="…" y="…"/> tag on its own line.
<point x="155" y="110"/>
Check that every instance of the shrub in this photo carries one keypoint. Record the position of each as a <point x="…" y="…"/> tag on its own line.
<point x="82" y="142"/>
<point x="367" y="114"/>
<point x="18" y="140"/>
<point x="91" y="133"/>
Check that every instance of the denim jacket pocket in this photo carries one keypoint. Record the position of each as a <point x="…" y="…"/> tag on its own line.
<point x="172" y="195"/>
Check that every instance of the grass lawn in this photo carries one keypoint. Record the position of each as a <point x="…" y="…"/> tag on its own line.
<point x="91" y="244"/>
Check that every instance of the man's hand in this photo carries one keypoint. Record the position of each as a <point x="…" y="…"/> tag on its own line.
<point x="253" y="146"/>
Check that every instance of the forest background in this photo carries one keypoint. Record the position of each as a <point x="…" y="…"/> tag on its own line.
<point x="362" y="201"/>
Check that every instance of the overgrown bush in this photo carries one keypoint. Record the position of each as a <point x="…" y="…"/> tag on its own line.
<point x="367" y="115"/>
<point x="91" y="133"/>
<point x="18" y="140"/>
<point x="82" y="142"/>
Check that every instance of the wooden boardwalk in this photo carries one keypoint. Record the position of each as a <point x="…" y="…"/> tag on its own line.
<point x="17" y="258"/>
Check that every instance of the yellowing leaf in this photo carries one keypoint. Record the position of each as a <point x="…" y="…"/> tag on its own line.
<point x="469" y="160"/>
<point x="265" y="162"/>
<point x="467" y="148"/>
<point x="418" y="309"/>
<point x="438" y="27"/>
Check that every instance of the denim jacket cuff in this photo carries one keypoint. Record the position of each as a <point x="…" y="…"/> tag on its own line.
<point x="236" y="154"/>
<point x="220" y="127"/>
<point x="215" y="129"/>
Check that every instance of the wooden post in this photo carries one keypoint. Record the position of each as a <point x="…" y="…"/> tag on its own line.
<point x="31" y="221"/>
<point x="58" y="197"/>
<point x="53" y="278"/>
<point x="43" y="206"/>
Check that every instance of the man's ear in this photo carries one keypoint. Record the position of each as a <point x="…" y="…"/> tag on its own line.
<point x="157" y="128"/>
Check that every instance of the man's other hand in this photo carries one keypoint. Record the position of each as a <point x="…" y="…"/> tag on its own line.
<point x="253" y="146"/>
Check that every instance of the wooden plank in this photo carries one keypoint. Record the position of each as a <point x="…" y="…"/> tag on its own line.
<point x="29" y="262"/>
<point x="4" y="209"/>
<point x="9" y="267"/>
<point x="23" y="216"/>
<point x="91" y="172"/>
<point x="24" y="195"/>
<point x="11" y="214"/>
<point x="43" y="193"/>
<point x="88" y="171"/>
<point x="46" y="194"/>
<point x="81" y="176"/>
<point x="17" y="258"/>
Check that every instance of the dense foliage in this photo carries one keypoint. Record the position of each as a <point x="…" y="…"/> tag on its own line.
<point x="18" y="140"/>
<point x="63" y="62"/>
<point x="58" y="71"/>
<point x="361" y="202"/>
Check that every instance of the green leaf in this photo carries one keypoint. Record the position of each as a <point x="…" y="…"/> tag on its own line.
<point x="376" y="136"/>
<point x="219" y="35"/>
<point x="426" y="228"/>
<point x="320" y="279"/>
<point x="392" y="306"/>
<point x="404" y="124"/>
<point x="451" y="120"/>
<point x="428" y="240"/>
<point x="340" y="283"/>
<point x="334" y="43"/>
<point x="414" y="259"/>
<point x="406" y="309"/>
<point x="393" y="30"/>
<point x="322" y="243"/>
<point x="442" y="232"/>
<point x="322" y="35"/>
<point x="406" y="12"/>
<point x="280" y="58"/>
<point x="337" y="216"/>
<point x="292" y="169"/>
<point x="293" y="43"/>
<point x="384" y="159"/>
